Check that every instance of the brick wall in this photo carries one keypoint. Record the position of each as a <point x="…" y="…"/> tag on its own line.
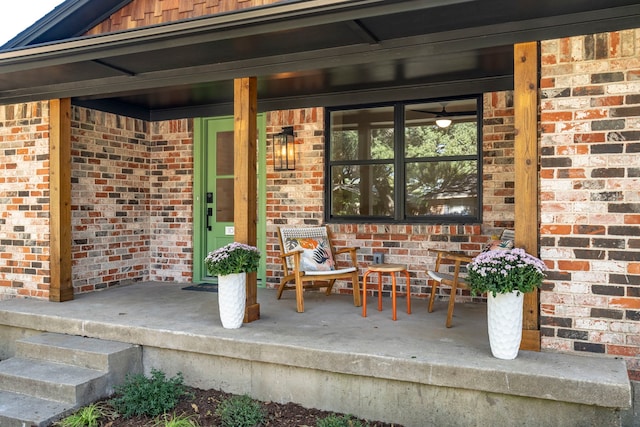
<point x="110" y="200"/>
<point x="171" y="200"/>
<point x="132" y="193"/>
<point x="132" y="190"/>
<point x="294" y="197"/>
<point x="497" y="158"/>
<point x="297" y="198"/>
<point x="24" y="200"/>
<point x="590" y="200"/>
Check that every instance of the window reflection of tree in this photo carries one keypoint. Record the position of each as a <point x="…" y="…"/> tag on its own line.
<point x="440" y="166"/>
<point x="437" y="182"/>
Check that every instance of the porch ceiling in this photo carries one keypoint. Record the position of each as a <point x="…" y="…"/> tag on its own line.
<point x="304" y="53"/>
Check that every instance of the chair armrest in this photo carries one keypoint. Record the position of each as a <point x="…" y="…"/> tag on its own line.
<point x="452" y="255"/>
<point x="345" y="250"/>
<point x="292" y="253"/>
<point x="446" y="278"/>
<point x="296" y="261"/>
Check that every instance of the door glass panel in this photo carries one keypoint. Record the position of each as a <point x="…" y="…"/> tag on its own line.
<point x="224" y="153"/>
<point x="224" y="200"/>
<point x="224" y="172"/>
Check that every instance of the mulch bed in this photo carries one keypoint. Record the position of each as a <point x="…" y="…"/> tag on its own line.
<point x="201" y="406"/>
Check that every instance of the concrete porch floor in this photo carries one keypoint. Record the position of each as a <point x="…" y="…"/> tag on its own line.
<point x="413" y="371"/>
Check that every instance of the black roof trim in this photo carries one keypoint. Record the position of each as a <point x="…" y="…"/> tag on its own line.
<point x="70" y="19"/>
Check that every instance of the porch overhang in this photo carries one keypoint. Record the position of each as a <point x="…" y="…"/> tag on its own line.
<point x="303" y="53"/>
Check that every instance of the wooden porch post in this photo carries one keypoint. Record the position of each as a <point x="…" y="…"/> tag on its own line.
<point x="526" y="66"/>
<point x="245" y="178"/>
<point x="61" y="286"/>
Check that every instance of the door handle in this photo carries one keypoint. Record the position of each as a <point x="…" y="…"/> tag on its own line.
<point x="209" y="215"/>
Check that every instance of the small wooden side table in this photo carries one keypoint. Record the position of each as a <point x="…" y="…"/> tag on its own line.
<point x="386" y="268"/>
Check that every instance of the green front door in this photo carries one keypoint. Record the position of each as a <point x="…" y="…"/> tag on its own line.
<point x="213" y="191"/>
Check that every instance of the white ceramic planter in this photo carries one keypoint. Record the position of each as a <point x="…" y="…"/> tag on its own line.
<point x="504" y="321"/>
<point x="232" y="291"/>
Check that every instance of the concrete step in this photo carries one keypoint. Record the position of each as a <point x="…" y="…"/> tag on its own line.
<point x="53" y="381"/>
<point x="51" y="375"/>
<point x="19" y="410"/>
<point x="85" y="352"/>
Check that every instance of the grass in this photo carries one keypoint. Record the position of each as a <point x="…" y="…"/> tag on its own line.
<point x="88" y="416"/>
<point x="174" y="420"/>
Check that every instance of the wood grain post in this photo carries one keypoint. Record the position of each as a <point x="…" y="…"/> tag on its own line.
<point x="526" y="99"/>
<point x="61" y="287"/>
<point x="245" y="178"/>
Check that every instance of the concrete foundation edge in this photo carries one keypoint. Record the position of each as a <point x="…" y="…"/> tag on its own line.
<point x="412" y="404"/>
<point x="406" y="403"/>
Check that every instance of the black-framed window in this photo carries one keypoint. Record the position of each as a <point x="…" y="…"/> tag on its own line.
<point x="401" y="163"/>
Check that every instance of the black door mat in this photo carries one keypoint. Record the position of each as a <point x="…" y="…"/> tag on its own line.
<point x="206" y="287"/>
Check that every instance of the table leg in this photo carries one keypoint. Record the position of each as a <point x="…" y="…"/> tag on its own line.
<point x="393" y="294"/>
<point x="379" y="291"/>
<point x="364" y="294"/>
<point x="408" y="292"/>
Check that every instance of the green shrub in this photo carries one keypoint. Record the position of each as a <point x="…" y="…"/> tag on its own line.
<point x="152" y="396"/>
<point x="339" y="421"/>
<point x="240" y="411"/>
<point x="85" y="417"/>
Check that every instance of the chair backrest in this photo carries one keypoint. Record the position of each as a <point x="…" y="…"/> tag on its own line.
<point x="508" y="234"/>
<point x="314" y="242"/>
<point x="505" y="241"/>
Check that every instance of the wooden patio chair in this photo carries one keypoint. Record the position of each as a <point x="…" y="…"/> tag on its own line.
<point x="442" y="274"/>
<point x="308" y="260"/>
<point x="438" y="277"/>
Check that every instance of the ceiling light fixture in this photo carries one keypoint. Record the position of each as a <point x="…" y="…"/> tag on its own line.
<point x="443" y="123"/>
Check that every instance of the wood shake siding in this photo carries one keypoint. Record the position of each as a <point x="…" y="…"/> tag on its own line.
<point x="142" y="13"/>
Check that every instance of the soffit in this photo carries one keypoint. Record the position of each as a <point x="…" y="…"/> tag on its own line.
<point x="304" y="53"/>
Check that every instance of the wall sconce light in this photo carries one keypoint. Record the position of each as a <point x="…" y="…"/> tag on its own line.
<point x="443" y="123"/>
<point x="284" y="151"/>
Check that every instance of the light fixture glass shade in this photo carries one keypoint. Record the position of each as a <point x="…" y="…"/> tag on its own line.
<point x="284" y="150"/>
<point x="443" y="123"/>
